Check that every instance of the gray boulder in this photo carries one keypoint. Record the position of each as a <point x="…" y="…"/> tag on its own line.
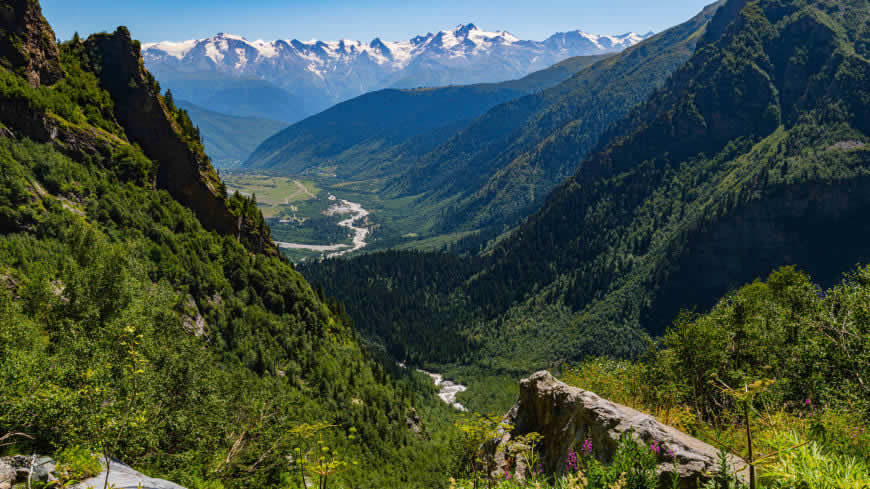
<point x="18" y="468"/>
<point x="123" y="477"/>
<point x="567" y="416"/>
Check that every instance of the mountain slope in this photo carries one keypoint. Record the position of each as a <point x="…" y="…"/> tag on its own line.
<point x="325" y="73"/>
<point x="241" y="97"/>
<point x="144" y="314"/>
<point x="229" y="140"/>
<point x="357" y="137"/>
<point x="755" y="154"/>
<point x="508" y="160"/>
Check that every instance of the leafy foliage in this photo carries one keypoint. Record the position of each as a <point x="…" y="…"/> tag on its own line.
<point x="807" y="420"/>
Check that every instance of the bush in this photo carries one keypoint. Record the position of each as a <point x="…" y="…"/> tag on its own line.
<point x="77" y="464"/>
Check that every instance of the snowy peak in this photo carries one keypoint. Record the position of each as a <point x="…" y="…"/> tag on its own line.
<point x="471" y="36"/>
<point x="327" y="72"/>
<point x="569" y="40"/>
<point x="465" y="37"/>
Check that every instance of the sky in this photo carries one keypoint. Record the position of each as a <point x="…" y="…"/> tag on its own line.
<point x="391" y="20"/>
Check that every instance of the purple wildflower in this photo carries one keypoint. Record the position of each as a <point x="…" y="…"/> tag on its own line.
<point x="587" y="447"/>
<point x="572" y="464"/>
<point x="656" y="448"/>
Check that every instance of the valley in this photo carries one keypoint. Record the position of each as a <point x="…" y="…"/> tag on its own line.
<point x="305" y="224"/>
<point x="456" y="261"/>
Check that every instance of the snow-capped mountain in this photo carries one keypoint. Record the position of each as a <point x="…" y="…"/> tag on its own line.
<point x="324" y="73"/>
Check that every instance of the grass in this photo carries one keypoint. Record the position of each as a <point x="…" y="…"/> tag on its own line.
<point x="812" y="447"/>
<point x="272" y="193"/>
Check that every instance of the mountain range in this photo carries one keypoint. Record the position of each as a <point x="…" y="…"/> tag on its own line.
<point x="320" y="74"/>
<point x="752" y="155"/>
<point x="367" y="133"/>
<point x="485" y="168"/>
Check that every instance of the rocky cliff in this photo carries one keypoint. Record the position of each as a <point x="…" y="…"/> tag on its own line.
<point x="183" y="168"/>
<point x="567" y="416"/>
<point x="27" y="42"/>
<point x="141" y="117"/>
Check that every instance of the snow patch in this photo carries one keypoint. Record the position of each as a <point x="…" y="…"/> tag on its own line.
<point x="213" y="52"/>
<point x="265" y="49"/>
<point x="175" y="49"/>
<point x="243" y="58"/>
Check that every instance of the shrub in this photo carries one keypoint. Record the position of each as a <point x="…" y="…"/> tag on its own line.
<point x="76" y="464"/>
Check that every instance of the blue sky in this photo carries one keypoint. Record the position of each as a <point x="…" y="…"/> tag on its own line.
<point x="175" y="20"/>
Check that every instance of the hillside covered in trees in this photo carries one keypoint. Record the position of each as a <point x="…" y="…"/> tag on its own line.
<point x="752" y="156"/>
<point x="145" y="314"/>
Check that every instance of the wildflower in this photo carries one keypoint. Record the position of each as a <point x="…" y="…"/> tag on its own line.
<point x="808" y="402"/>
<point x="507" y="474"/>
<point x="587" y="447"/>
<point x="656" y="448"/>
<point x="571" y="464"/>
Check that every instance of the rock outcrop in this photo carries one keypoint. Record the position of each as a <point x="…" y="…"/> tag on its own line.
<point x="7" y="474"/>
<point x="27" y="48"/>
<point x="16" y="470"/>
<point x="19" y="469"/>
<point x="567" y="416"/>
<point x="123" y="477"/>
<point x="27" y="42"/>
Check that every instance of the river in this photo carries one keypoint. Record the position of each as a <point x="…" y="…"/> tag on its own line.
<point x="447" y="390"/>
<point x="360" y="234"/>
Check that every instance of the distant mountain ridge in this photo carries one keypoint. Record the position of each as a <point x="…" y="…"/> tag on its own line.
<point x="372" y="134"/>
<point x="325" y="73"/>
<point x="229" y="139"/>
<point x="497" y="165"/>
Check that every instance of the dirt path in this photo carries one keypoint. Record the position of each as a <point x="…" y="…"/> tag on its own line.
<point x="304" y="189"/>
